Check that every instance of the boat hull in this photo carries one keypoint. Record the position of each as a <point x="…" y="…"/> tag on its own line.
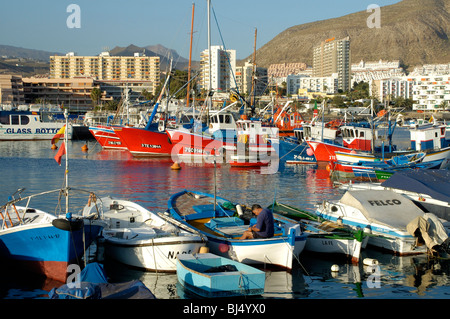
<point x="45" y="249"/>
<point x="145" y="143"/>
<point x="295" y="153"/>
<point x="350" y="248"/>
<point x="325" y="152"/>
<point x="159" y="254"/>
<point x="107" y="137"/>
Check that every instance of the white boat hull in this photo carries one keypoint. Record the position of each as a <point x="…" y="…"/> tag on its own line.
<point x="159" y="254"/>
<point x="347" y="247"/>
<point x="260" y="252"/>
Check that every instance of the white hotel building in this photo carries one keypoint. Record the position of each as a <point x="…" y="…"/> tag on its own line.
<point x="329" y="84"/>
<point x="223" y="68"/>
<point x="427" y="91"/>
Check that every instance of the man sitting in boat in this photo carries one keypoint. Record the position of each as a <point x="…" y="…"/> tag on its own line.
<point x="264" y="227"/>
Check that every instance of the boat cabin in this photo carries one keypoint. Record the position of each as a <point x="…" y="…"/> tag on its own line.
<point x="428" y="137"/>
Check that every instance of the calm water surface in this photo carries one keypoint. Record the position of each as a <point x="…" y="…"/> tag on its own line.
<point x="151" y="182"/>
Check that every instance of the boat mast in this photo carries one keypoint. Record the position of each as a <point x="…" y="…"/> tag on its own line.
<point x="66" y="174"/>
<point x="252" y="101"/>
<point x="209" y="97"/>
<point x="190" y="56"/>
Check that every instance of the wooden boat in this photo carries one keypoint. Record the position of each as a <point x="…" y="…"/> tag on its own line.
<point x="213" y="276"/>
<point x="248" y="160"/>
<point x="382" y="213"/>
<point x="216" y="218"/>
<point x="325" y="237"/>
<point x="142" y="239"/>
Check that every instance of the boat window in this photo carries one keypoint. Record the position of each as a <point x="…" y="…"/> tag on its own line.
<point x="361" y="134"/>
<point x="221" y="118"/>
<point x="213" y="119"/>
<point x="15" y="119"/>
<point x="228" y="119"/>
<point x="24" y="120"/>
<point x="4" y="119"/>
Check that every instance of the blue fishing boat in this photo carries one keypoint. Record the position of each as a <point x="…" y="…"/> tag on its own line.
<point x="293" y="150"/>
<point x="224" y="222"/>
<point x="212" y="276"/>
<point x="42" y="242"/>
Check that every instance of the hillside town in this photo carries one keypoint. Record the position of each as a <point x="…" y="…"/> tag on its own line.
<point x="81" y="83"/>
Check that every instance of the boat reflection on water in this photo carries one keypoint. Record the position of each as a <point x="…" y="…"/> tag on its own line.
<point x="419" y="276"/>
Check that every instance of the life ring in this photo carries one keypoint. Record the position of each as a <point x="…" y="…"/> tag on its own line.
<point x="68" y="225"/>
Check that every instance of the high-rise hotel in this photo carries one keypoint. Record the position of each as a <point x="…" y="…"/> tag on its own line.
<point x="333" y="56"/>
<point x="223" y="68"/>
<point x="107" y="68"/>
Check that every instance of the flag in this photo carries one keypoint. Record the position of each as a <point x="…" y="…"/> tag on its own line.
<point x="59" y="135"/>
<point x="431" y="120"/>
<point x="315" y="108"/>
<point x="60" y="154"/>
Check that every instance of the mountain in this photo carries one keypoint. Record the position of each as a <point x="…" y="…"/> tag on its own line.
<point x="155" y="50"/>
<point x="39" y="55"/>
<point x="413" y="31"/>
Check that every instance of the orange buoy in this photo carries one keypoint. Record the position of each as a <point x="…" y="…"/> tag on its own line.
<point x="54" y="147"/>
<point x="84" y="148"/>
<point x="175" y="166"/>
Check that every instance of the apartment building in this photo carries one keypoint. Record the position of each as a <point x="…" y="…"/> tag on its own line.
<point x="376" y="70"/>
<point x="244" y="77"/>
<point x="431" y="92"/>
<point x="296" y="82"/>
<point x="11" y="90"/>
<point x="109" y="68"/>
<point x="223" y="69"/>
<point x="74" y="93"/>
<point x="333" y="56"/>
<point x="392" y="88"/>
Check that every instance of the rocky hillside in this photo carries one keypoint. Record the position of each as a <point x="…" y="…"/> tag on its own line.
<point x="413" y="31"/>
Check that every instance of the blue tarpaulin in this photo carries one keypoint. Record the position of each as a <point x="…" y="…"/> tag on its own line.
<point x="432" y="182"/>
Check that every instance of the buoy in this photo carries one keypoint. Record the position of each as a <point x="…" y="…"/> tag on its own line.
<point x="370" y="262"/>
<point x="204" y="250"/>
<point x="175" y="166"/>
<point x="84" y="148"/>
<point x="310" y="152"/>
<point x="54" y="147"/>
<point x="239" y="210"/>
<point x="223" y="248"/>
<point x="335" y="268"/>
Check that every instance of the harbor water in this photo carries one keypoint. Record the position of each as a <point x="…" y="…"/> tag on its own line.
<point x="150" y="182"/>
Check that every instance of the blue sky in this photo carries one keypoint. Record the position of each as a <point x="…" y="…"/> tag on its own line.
<point x="42" y="24"/>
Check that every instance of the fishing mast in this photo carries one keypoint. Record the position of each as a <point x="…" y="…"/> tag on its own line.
<point x="190" y="57"/>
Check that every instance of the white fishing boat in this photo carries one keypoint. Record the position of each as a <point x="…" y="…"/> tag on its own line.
<point x="385" y="215"/>
<point x="428" y="189"/>
<point x="213" y="217"/>
<point x="142" y="239"/>
<point x="26" y="125"/>
<point x="324" y="236"/>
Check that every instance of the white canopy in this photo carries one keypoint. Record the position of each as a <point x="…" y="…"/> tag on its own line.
<point x="383" y="206"/>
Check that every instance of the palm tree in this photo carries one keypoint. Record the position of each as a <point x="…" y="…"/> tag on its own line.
<point x="96" y="94"/>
